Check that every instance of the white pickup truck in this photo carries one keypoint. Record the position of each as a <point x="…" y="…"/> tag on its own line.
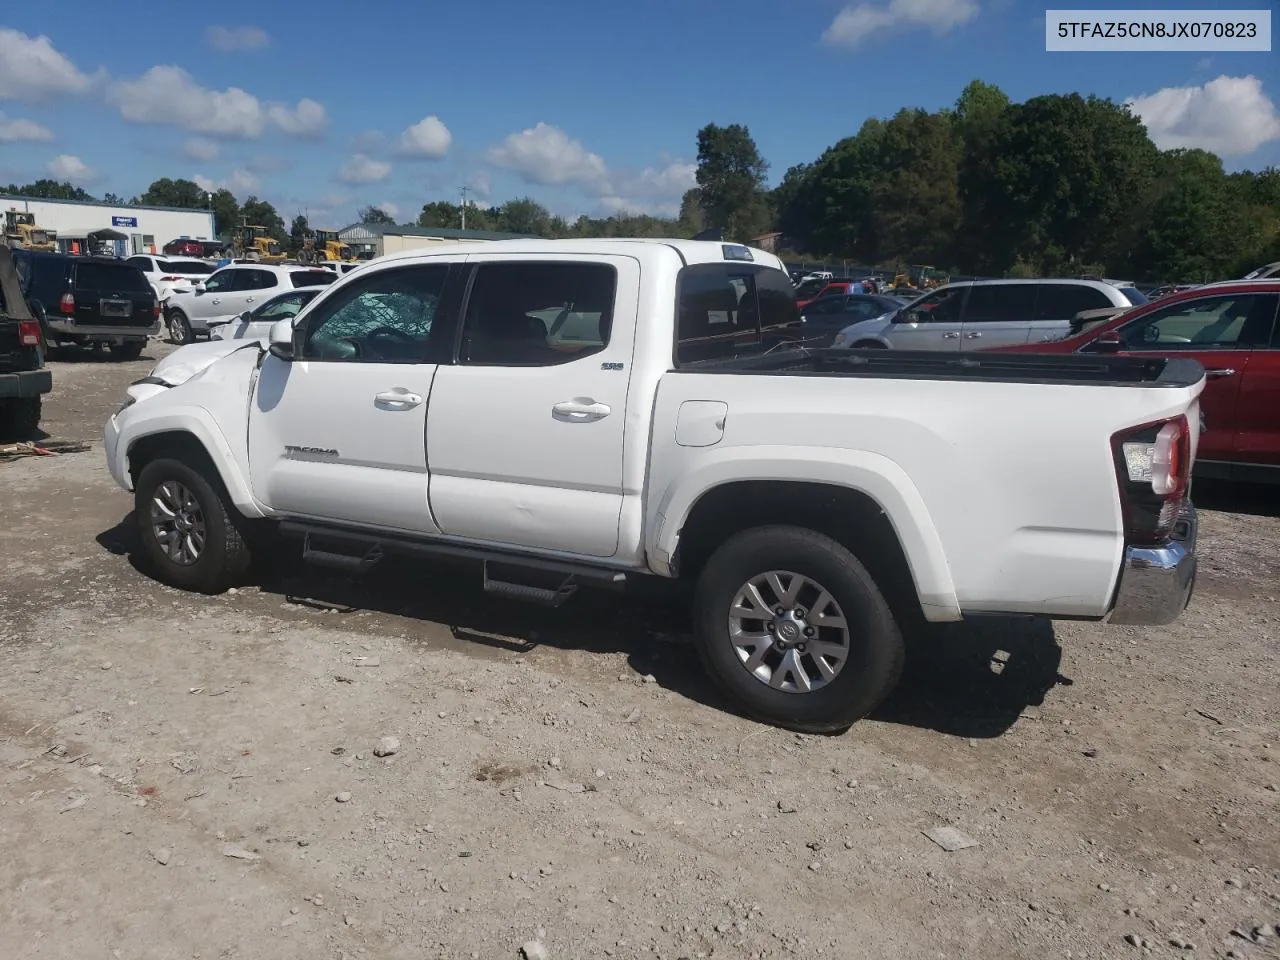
<point x="606" y="411"/>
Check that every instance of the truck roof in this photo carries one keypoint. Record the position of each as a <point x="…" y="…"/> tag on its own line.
<point x="691" y="251"/>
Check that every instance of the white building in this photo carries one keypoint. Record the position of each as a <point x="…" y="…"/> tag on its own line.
<point x="368" y="240"/>
<point x="127" y="230"/>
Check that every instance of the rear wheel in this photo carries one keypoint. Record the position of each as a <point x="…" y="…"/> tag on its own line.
<point x="794" y="629"/>
<point x="179" y="328"/>
<point x="190" y="533"/>
<point x="129" y="350"/>
<point x="19" y="418"/>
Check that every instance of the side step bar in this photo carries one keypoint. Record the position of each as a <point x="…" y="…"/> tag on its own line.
<point x="507" y="574"/>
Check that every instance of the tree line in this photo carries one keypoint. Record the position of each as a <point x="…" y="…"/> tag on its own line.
<point x="1056" y="185"/>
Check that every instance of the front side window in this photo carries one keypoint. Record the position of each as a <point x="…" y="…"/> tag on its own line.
<point x="941" y="306"/>
<point x="281" y="307"/>
<point x="996" y="303"/>
<point x="221" y="281"/>
<point x="1227" y="322"/>
<point x="537" y="314"/>
<point x="385" y="317"/>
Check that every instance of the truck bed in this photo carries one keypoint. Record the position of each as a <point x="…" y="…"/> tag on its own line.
<point x="1063" y="369"/>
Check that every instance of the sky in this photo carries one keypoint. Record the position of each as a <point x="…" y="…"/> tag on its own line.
<point x="588" y="107"/>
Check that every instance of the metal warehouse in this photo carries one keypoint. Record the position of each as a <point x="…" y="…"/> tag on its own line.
<point x="114" y="229"/>
<point x="368" y="240"/>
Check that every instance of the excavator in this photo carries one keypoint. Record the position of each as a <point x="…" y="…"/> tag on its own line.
<point x="254" y="244"/>
<point x="323" y="246"/>
<point x="21" y="231"/>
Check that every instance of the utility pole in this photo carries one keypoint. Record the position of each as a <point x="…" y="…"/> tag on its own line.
<point x="464" y="207"/>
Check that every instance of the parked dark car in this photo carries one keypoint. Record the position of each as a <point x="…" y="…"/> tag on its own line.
<point x="89" y="301"/>
<point x="184" y="247"/>
<point x="23" y="378"/>
<point x="829" y="314"/>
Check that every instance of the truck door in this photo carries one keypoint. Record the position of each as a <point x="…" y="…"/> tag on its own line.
<point x="338" y="432"/>
<point x="525" y="431"/>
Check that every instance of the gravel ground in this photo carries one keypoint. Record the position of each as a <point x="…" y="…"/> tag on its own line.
<point x="189" y="776"/>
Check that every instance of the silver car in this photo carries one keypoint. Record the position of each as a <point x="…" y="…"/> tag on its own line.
<point x="980" y="314"/>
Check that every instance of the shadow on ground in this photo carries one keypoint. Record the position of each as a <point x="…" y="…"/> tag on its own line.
<point x="1254" y="499"/>
<point x="971" y="679"/>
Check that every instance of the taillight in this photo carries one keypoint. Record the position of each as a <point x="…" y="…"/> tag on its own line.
<point x="155" y="308"/>
<point x="29" y="333"/>
<point x="67" y="304"/>
<point x="169" y="279"/>
<point x="1153" y="465"/>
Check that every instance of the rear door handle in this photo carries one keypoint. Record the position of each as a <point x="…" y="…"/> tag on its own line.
<point x="216" y="300"/>
<point x="1220" y="372"/>
<point x="579" y="410"/>
<point x="951" y="336"/>
<point x="399" y="397"/>
<point x="972" y="336"/>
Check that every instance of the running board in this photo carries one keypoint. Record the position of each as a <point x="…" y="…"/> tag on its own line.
<point x="529" y="593"/>
<point x="340" y="560"/>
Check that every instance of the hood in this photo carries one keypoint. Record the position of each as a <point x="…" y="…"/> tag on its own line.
<point x="184" y="363"/>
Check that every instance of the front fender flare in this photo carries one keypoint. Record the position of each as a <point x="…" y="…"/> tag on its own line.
<point x="200" y="424"/>
<point x="878" y="477"/>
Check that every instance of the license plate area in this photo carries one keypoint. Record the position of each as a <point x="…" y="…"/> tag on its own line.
<point x="116" y="308"/>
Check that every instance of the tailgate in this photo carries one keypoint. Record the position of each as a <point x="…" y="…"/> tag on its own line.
<point x="113" y="295"/>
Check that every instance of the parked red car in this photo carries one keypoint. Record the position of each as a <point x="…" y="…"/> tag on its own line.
<point x="832" y="287"/>
<point x="1233" y="330"/>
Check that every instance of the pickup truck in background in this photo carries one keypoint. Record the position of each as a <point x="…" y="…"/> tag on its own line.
<point x="23" y="378"/>
<point x="601" y="412"/>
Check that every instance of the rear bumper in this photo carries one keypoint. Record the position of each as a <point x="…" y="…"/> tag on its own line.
<point x="101" y="332"/>
<point x="1156" y="582"/>
<point x="26" y="383"/>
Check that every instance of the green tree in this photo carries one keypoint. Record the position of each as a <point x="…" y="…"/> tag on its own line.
<point x="915" y="195"/>
<point x="46" y="189"/>
<point x="690" y="220"/>
<point x="226" y="212"/>
<point x="731" y="181"/>
<point x="299" y="230"/>
<point x="257" y="212"/>
<point x="113" y="198"/>
<point x="175" y="193"/>
<point x="1194" y="229"/>
<point x="375" y="215"/>
<point x="980" y="110"/>
<point x="525" y="215"/>
<point x="440" y="213"/>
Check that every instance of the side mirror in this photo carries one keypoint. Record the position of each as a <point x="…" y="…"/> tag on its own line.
<point x="247" y="316"/>
<point x="280" y="339"/>
<point x="1108" y="342"/>
<point x="199" y="286"/>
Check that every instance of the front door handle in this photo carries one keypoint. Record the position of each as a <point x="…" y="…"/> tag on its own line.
<point x="972" y="336"/>
<point x="951" y="336"/>
<point x="216" y="300"/>
<point x="579" y="410"/>
<point x="399" y="397"/>
<point x="1220" y="372"/>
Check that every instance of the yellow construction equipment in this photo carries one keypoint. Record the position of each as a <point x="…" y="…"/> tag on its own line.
<point x="20" y="230"/>
<point x="254" y="244"/>
<point x="323" y="246"/>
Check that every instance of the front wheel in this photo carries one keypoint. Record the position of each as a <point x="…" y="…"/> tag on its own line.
<point x="179" y="328"/>
<point x="189" y="532"/>
<point x="794" y="629"/>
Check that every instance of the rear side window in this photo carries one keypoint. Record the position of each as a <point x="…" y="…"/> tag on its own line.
<point x="312" y="278"/>
<point x="997" y="302"/>
<point x="1062" y="301"/>
<point x="731" y="310"/>
<point x="119" y="278"/>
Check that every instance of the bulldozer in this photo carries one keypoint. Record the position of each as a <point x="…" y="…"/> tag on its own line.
<point x="21" y="231"/>
<point x="252" y="243"/>
<point x="323" y="246"/>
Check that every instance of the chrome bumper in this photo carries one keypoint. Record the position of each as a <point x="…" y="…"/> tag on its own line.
<point x="1156" y="582"/>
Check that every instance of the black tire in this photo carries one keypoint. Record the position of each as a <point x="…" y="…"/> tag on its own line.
<point x="876" y="651"/>
<point x="179" y="328"/>
<point x="224" y="557"/>
<point x="19" y="418"/>
<point x="129" y="350"/>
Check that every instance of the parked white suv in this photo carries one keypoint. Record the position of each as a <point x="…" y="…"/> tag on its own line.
<point x="165" y="274"/>
<point x="229" y="292"/>
<point x="981" y="314"/>
<point x="606" y="412"/>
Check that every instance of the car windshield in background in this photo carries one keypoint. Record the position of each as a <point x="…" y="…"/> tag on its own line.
<point x="187" y="266"/>
<point x="110" y="276"/>
<point x="312" y="278"/>
<point x="1135" y="296"/>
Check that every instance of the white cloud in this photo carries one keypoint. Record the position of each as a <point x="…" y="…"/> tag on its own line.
<point x="71" y="169"/>
<point x="429" y="139"/>
<point x="200" y="148"/>
<point x="31" y="69"/>
<point x="362" y="168"/>
<point x="17" y="130"/>
<point x="240" y="182"/>
<point x="229" y="39"/>
<point x="390" y="209"/>
<point x="856" y="22"/>
<point x="481" y="185"/>
<point x="169" y="95"/>
<point x="308" y="119"/>
<point x="547" y="156"/>
<point x="1230" y="116"/>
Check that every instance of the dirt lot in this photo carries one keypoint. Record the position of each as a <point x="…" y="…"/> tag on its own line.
<point x="186" y="776"/>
